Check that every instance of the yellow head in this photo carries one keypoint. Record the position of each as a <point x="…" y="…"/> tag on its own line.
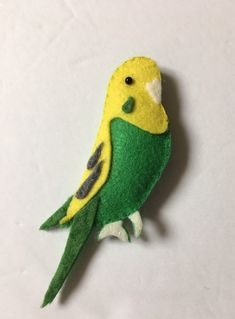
<point x="134" y="95"/>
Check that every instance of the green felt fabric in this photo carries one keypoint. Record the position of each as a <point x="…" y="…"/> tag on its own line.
<point x="138" y="160"/>
<point x="79" y="232"/>
<point x="128" y="106"/>
<point x="57" y="216"/>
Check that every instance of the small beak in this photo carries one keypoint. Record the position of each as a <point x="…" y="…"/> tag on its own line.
<point x="154" y="89"/>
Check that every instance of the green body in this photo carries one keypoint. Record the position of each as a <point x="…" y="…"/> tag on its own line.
<point x="138" y="160"/>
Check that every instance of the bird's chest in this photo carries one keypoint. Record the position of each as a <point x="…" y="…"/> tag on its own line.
<point x="138" y="159"/>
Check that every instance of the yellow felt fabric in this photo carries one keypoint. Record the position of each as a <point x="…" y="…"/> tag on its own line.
<point x="147" y="115"/>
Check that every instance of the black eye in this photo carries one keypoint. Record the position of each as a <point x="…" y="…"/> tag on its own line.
<point x="129" y="80"/>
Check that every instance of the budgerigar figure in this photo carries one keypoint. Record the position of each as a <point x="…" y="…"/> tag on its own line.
<point x="131" y="150"/>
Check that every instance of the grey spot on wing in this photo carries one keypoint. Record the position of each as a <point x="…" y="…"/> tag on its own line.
<point x="95" y="157"/>
<point x="85" y="188"/>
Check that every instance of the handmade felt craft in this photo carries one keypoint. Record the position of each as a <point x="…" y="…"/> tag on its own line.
<point x="132" y="149"/>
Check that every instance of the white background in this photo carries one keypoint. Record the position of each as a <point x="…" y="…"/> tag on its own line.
<point x="55" y="61"/>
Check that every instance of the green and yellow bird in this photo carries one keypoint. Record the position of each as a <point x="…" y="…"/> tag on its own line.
<point x="131" y="150"/>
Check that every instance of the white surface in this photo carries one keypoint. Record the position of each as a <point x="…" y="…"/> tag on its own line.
<point x="55" y="60"/>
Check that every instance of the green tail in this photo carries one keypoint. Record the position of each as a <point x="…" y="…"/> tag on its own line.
<point x="57" y="216"/>
<point x="79" y="232"/>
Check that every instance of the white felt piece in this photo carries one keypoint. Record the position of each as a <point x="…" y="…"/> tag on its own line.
<point x="154" y="88"/>
<point x="114" y="229"/>
<point x="137" y="223"/>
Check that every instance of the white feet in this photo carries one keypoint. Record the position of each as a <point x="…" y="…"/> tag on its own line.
<point x="137" y="223"/>
<point x="114" y="229"/>
<point x="117" y="230"/>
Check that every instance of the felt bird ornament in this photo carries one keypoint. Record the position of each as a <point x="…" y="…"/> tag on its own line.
<point x="131" y="150"/>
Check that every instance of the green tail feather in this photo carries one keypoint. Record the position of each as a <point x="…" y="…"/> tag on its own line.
<point x="57" y="216"/>
<point x="79" y="232"/>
